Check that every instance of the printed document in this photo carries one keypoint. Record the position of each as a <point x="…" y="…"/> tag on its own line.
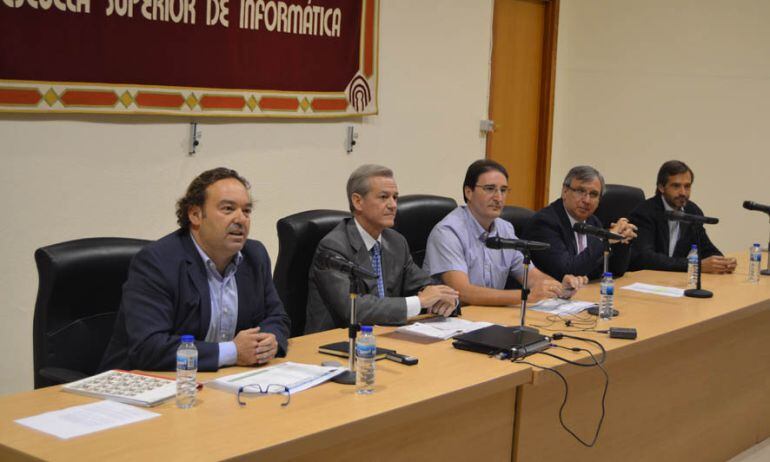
<point x="442" y="328"/>
<point x="655" y="290"/>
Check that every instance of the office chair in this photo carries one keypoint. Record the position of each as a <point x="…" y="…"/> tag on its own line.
<point x="519" y="217"/>
<point x="298" y="237"/>
<point x="79" y="292"/>
<point x="416" y="216"/>
<point x="618" y="201"/>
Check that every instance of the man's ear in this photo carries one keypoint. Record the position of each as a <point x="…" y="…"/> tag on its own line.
<point x="661" y="189"/>
<point x="356" y="199"/>
<point x="195" y="215"/>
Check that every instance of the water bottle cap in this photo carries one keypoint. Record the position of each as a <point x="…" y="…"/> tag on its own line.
<point x="693" y="246"/>
<point x="366" y="329"/>
<point x="756" y="244"/>
<point x="607" y="274"/>
<point x="188" y="338"/>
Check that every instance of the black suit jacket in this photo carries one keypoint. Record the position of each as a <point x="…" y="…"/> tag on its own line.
<point x="328" y="301"/>
<point x="552" y="225"/>
<point x="167" y="295"/>
<point x="650" y="249"/>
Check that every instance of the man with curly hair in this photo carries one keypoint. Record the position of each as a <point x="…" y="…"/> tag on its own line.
<point x="206" y="279"/>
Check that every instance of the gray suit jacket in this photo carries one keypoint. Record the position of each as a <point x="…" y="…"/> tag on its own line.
<point x="328" y="301"/>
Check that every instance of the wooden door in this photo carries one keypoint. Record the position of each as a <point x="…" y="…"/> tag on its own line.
<point x="521" y="96"/>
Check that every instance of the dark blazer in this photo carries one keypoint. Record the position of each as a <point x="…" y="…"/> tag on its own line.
<point x="167" y="295"/>
<point x="552" y="225"/>
<point x="650" y="249"/>
<point x="328" y="302"/>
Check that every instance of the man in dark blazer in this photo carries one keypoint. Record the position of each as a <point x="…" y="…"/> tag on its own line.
<point x="402" y="288"/>
<point x="205" y="279"/>
<point x="571" y="252"/>
<point x="663" y="244"/>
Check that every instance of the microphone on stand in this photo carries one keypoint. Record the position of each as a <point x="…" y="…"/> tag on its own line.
<point x="751" y="205"/>
<point x="676" y="215"/>
<point x="518" y="244"/>
<point x="601" y="233"/>
<point x="340" y="263"/>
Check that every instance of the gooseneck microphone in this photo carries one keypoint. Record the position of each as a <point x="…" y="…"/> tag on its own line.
<point x="601" y="233"/>
<point x="518" y="244"/>
<point x="340" y="263"/>
<point x="676" y="215"/>
<point x="751" y="205"/>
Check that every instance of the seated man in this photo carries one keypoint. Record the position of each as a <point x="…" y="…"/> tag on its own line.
<point x="401" y="289"/>
<point x="205" y="279"/>
<point x="571" y="252"/>
<point x="663" y="244"/>
<point x="456" y="252"/>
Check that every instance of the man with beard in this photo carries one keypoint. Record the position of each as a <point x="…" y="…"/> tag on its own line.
<point x="206" y="279"/>
<point x="663" y="244"/>
<point x="456" y="252"/>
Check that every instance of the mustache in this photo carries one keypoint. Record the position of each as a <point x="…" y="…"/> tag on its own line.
<point x="235" y="227"/>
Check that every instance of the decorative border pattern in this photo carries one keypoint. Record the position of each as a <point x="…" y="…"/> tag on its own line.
<point x="359" y="98"/>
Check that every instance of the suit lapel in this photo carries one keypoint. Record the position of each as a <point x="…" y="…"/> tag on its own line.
<point x="244" y="279"/>
<point x="361" y="256"/>
<point x="197" y="274"/>
<point x="664" y="233"/>
<point x="567" y="234"/>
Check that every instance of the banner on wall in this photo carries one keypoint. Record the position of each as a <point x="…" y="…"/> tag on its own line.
<point x="247" y="58"/>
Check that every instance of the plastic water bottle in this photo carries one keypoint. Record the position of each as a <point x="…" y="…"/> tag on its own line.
<point x="692" y="268"/>
<point x="366" y="348"/>
<point x="755" y="262"/>
<point x="186" y="371"/>
<point x="606" y="302"/>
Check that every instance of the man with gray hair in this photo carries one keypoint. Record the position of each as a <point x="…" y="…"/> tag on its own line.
<point x="571" y="252"/>
<point x="402" y="289"/>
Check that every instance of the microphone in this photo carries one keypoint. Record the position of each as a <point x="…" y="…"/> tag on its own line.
<point x="751" y="205"/>
<point x="601" y="233"/>
<point x="518" y="244"/>
<point x="676" y="215"/>
<point x="340" y="263"/>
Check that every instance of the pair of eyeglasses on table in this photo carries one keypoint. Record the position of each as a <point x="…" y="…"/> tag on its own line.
<point x="272" y="389"/>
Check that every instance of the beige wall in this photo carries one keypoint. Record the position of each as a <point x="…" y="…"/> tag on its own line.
<point x="642" y="82"/>
<point x="68" y="178"/>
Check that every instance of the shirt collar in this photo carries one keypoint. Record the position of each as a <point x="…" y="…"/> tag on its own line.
<point x="367" y="238"/>
<point x="210" y="265"/>
<point x="475" y="227"/>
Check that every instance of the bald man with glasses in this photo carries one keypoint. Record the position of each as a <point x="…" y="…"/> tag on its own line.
<point x="571" y="252"/>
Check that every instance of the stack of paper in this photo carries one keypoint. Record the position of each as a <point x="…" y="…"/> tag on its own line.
<point x="294" y="376"/>
<point x="442" y="328"/>
<point x="561" y="307"/>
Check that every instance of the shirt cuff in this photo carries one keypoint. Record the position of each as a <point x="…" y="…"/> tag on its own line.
<point x="412" y="306"/>
<point x="228" y="354"/>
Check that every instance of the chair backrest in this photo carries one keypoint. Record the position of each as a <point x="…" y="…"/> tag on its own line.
<point x="618" y="201"/>
<point x="298" y="237"/>
<point x="79" y="292"/>
<point x="416" y="216"/>
<point x="519" y="217"/>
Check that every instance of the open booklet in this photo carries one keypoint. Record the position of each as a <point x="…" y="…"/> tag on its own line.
<point x="442" y="328"/>
<point x="561" y="306"/>
<point x="294" y="376"/>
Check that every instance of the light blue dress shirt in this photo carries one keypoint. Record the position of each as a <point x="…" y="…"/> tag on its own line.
<point x="457" y="244"/>
<point x="224" y="306"/>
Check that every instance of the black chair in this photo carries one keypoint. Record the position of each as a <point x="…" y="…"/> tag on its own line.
<point x="416" y="216"/>
<point x="519" y="217"/>
<point x="80" y="286"/>
<point x="298" y="237"/>
<point x="618" y="201"/>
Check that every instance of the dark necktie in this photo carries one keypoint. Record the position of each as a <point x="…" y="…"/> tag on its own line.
<point x="377" y="266"/>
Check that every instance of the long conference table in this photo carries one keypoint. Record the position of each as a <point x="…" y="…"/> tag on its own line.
<point x="694" y="385"/>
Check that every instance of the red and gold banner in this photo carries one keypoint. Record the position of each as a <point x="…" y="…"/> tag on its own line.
<point x="251" y="58"/>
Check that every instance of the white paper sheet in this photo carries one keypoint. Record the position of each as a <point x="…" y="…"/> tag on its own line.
<point x="442" y="328"/>
<point x="294" y="376"/>
<point x="655" y="290"/>
<point x="88" y="418"/>
<point x="561" y="306"/>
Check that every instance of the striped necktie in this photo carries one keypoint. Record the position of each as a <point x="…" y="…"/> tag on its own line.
<point x="377" y="265"/>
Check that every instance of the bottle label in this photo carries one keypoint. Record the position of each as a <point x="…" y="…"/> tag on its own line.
<point x="365" y="351"/>
<point x="186" y="362"/>
<point x="756" y="257"/>
<point x="608" y="290"/>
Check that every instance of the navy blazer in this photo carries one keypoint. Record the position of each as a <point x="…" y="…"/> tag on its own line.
<point x="650" y="249"/>
<point x="167" y="295"/>
<point x="552" y="225"/>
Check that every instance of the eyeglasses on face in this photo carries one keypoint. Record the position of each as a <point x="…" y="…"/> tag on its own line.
<point x="272" y="389"/>
<point x="492" y="189"/>
<point x="581" y="192"/>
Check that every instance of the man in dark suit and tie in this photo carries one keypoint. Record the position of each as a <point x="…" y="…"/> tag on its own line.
<point x="663" y="244"/>
<point x="572" y="252"/>
<point x="205" y="279"/>
<point x="401" y="289"/>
